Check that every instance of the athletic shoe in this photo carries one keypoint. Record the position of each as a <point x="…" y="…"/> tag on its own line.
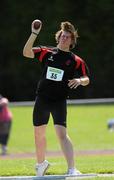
<point x="73" y="172"/>
<point x="41" y="168"/>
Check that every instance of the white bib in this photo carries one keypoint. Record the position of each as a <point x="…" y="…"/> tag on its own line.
<point x="54" y="74"/>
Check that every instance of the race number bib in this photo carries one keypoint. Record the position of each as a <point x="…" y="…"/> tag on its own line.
<point x="54" y="74"/>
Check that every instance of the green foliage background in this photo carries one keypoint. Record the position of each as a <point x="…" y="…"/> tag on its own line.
<point x="94" y="20"/>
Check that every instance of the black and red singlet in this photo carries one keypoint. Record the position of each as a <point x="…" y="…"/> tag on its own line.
<point x="58" y="67"/>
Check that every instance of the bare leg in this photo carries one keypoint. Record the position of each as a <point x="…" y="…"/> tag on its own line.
<point x="40" y="142"/>
<point x="66" y="145"/>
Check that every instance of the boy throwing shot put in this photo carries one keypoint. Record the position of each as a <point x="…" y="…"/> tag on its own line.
<point x="59" y="69"/>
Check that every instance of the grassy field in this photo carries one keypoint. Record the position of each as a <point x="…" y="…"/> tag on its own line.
<point x="87" y="127"/>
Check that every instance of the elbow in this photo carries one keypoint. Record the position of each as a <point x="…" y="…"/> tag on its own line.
<point x="88" y="81"/>
<point x="25" y="54"/>
<point x="85" y="81"/>
<point x="28" y="54"/>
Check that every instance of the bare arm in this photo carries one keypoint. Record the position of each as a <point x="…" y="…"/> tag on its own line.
<point x="27" y="50"/>
<point x="74" y="83"/>
<point x="84" y="81"/>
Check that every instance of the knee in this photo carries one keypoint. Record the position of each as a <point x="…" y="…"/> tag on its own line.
<point x="62" y="136"/>
<point x="39" y="133"/>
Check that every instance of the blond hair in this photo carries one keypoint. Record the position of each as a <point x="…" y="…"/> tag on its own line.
<point x="68" y="27"/>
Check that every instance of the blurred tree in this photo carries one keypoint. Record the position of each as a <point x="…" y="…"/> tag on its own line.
<point x="94" y="21"/>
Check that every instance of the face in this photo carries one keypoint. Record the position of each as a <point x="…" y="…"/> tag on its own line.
<point x="65" y="39"/>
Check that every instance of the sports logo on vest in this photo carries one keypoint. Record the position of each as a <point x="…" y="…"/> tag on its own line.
<point x="51" y="58"/>
<point x="68" y="62"/>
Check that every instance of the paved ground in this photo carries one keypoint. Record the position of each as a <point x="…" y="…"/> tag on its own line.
<point x="50" y="177"/>
<point x="57" y="177"/>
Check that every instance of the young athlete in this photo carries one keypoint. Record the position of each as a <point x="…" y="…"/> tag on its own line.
<point x="61" y="70"/>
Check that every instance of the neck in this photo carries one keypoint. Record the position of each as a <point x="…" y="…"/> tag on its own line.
<point x="63" y="48"/>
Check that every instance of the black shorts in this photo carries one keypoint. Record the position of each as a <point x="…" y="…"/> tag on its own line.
<point x="42" y="110"/>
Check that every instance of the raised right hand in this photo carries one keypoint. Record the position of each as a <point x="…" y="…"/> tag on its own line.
<point x="34" y="26"/>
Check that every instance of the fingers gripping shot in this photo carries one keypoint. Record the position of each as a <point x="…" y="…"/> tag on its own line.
<point x="60" y="67"/>
<point x="36" y="26"/>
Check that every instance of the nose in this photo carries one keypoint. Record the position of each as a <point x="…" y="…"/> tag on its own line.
<point x="64" y="37"/>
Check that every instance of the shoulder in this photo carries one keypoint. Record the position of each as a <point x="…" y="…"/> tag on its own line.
<point x="78" y="60"/>
<point x="43" y="48"/>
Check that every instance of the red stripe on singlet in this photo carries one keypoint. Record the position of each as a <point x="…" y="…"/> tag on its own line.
<point x="78" y="62"/>
<point x="83" y="69"/>
<point x="36" y="50"/>
<point x="43" y="53"/>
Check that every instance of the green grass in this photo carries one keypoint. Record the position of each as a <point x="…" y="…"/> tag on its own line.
<point x="87" y="127"/>
<point x="85" y="164"/>
<point x="25" y="167"/>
